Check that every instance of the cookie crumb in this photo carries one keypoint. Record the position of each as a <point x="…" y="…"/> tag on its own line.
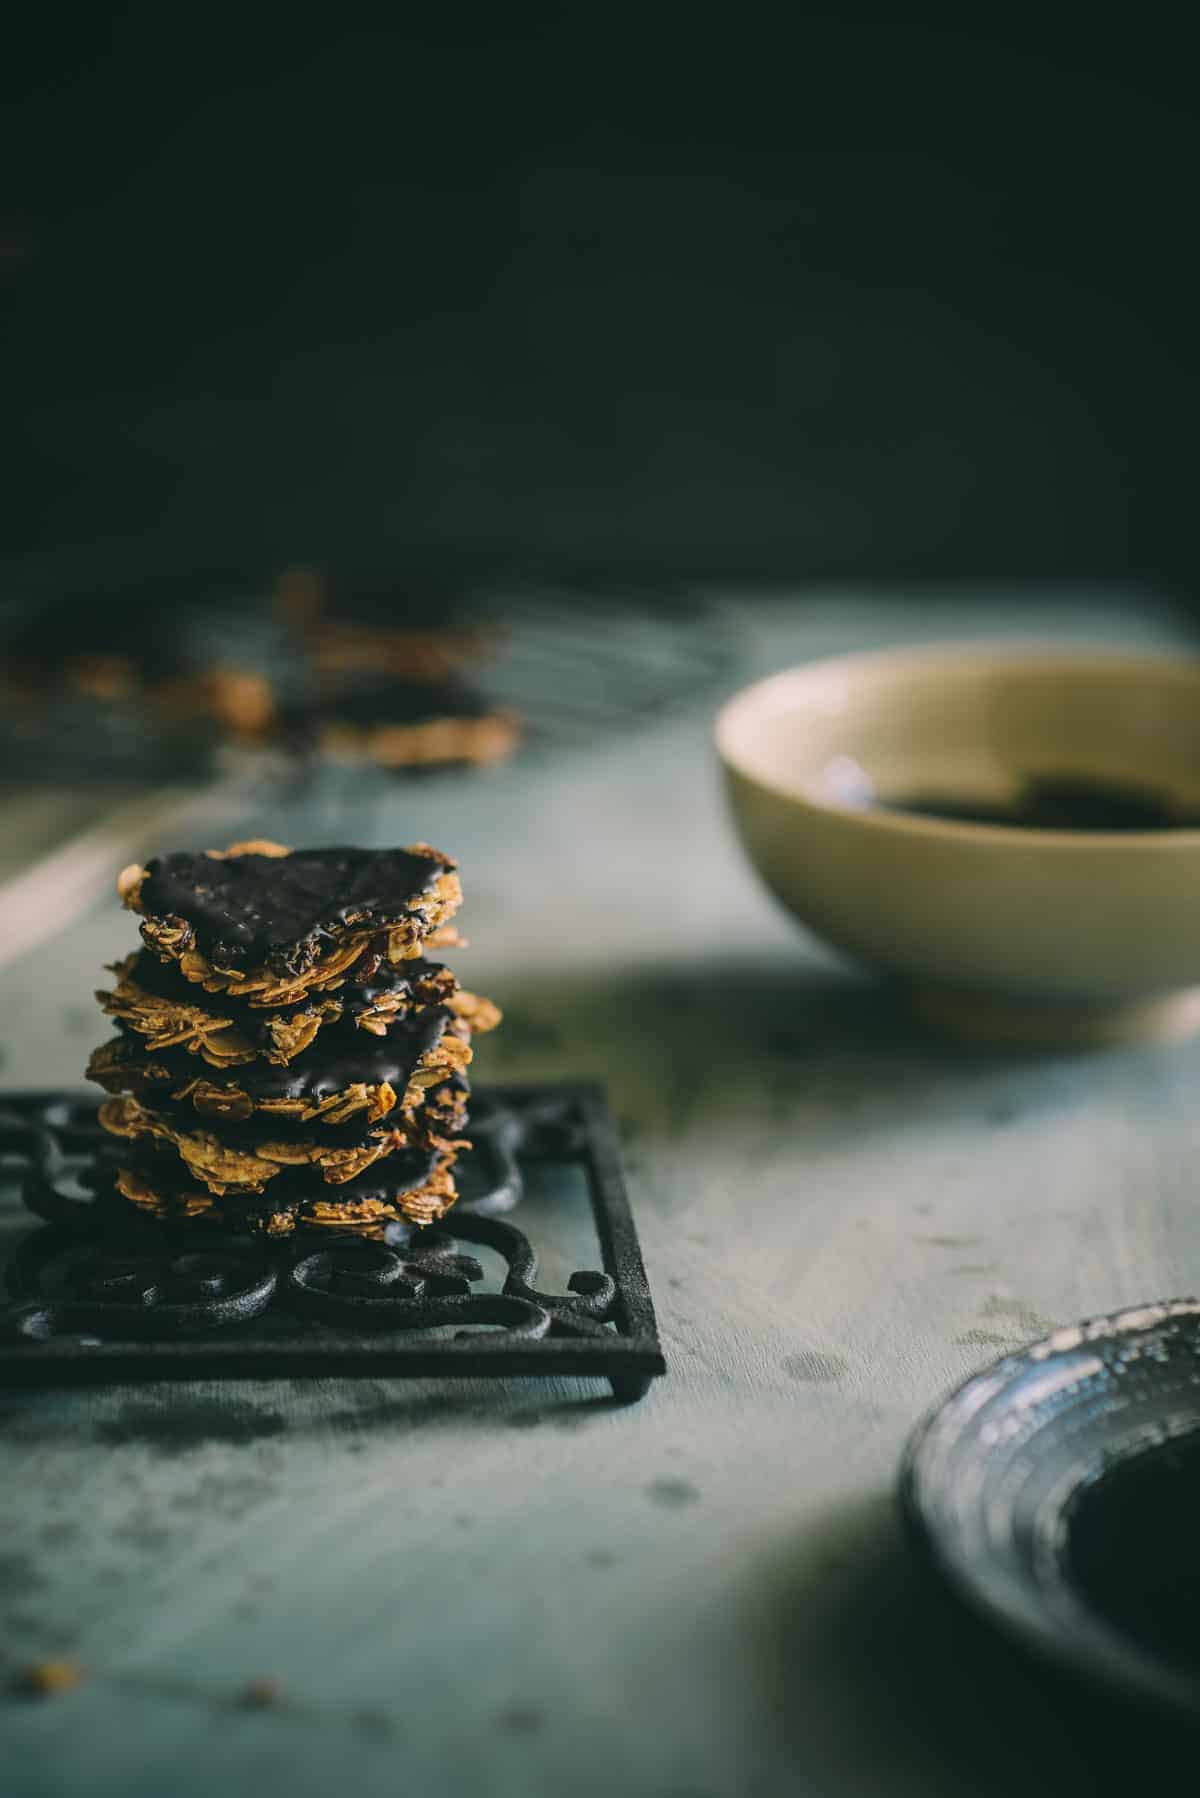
<point x="49" y="1679"/>
<point x="261" y="1694"/>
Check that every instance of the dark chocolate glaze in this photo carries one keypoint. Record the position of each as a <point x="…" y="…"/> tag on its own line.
<point x="362" y="1057"/>
<point x="282" y="911"/>
<point x="385" y="1180"/>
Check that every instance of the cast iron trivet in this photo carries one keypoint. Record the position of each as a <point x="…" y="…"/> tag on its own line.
<point x="99" y="1295"/>
<point x="1057" y="1493"/>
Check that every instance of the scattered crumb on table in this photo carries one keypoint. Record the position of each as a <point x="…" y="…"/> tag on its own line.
<point x="261" y="1694"/>
<point x="49" y="1679"/>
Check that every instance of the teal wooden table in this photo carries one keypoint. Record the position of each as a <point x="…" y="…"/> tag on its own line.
<point x="525" y="1589"/>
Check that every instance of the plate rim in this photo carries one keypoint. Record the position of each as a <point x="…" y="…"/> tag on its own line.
<point x="1095" y="1649"/>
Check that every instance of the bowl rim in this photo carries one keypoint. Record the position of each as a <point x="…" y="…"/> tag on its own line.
<point x="998" y="654"/>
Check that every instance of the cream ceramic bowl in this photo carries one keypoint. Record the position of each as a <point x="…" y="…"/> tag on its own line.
<point x="1000" y="932"/>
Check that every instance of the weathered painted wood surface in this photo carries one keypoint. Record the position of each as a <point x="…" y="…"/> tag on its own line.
<point x="525" y="1591"/>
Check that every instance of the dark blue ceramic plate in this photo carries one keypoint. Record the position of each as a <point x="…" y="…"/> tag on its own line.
<point x="1058" y="1492"/>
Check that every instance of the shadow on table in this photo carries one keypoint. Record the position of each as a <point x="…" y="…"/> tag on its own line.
<point x="864" y="1662"/>
<point x="350" y="1415"/>
<point x="778" y="1042"/>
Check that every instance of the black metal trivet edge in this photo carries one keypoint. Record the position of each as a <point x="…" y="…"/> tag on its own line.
<point x="604" y="1327"/>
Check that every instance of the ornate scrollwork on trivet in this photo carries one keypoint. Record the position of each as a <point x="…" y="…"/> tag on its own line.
<point x="80" y="1289"/>
<point x="419" y="1280"/>
<point x="99" y="1267"/>
<point x="367" y="1285"/>
<point x="103" y="1291"/>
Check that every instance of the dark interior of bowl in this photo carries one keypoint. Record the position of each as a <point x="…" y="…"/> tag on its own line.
<point x="1052" y="802"/>
<point x="1133" y="1549"/>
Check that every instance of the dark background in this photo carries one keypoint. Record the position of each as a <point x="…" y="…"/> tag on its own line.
<point x="670" y="292"/>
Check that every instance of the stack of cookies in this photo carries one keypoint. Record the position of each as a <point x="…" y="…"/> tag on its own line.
<point x="287" y="1057"/>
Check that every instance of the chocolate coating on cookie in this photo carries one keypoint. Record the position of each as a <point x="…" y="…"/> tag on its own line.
<point x="280" y="911"/>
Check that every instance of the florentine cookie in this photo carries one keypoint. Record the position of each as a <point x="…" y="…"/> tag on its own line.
<point x="260" y="917"/>
<point x="418" y="627"/>
<point x="156" y="1000"/>
<point x="287" y="1056"/>
<point x="413" y="724"/>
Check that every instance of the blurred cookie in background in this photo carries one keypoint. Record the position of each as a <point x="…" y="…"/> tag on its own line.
<point x="420" y="626"/>
<point x="410" y="724"/>
<point x="111" y="678"/>
<point x="385" y="655"/>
